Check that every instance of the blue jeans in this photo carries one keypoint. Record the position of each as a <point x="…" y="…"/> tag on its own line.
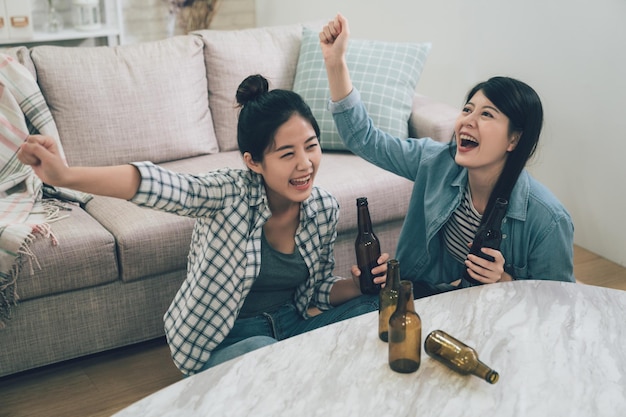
<point x="255" y="332"/>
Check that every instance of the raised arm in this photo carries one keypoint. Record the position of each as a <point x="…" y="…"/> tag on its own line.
<point x="41" y="153"/>
<point x="334" y="43"/>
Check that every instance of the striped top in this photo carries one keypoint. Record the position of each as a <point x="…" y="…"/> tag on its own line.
<point x="461" y="228"/>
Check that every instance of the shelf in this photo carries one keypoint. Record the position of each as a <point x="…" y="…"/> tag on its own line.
<point x="62" y="35"/>
<point x="111" y="32"/>
<point x="68" y="34"/>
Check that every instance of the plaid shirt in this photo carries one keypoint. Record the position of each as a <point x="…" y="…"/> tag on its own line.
<point x="230" y="207"/>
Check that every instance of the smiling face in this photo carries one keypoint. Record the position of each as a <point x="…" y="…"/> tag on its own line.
<point x="290" y="164"/>
<point x="482" y="136"/>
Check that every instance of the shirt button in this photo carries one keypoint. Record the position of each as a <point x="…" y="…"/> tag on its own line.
<point x="504" y="236"/>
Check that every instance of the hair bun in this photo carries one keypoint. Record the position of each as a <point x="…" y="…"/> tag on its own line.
<point x="251" y="88"/>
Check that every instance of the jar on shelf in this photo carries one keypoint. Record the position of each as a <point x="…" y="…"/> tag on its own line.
<point x="54" y="20"/>
<point x="86" y="14"/>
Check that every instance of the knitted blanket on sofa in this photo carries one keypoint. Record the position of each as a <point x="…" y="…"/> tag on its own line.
<point x="23" y="213"/>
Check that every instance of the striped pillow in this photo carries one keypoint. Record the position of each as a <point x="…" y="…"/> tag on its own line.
<point x="385" y="73"/>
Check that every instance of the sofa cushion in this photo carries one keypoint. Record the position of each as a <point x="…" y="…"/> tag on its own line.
<point x="137" y="102"/>
<point x="152" y="242"/>
<point x="342" y="174"/>
<point x="84" y="257"/>
<point x="232" y="55"/>
<point x="432" y="119"/>
<point x="149" y="242"/>
<point x="385" y="73"/>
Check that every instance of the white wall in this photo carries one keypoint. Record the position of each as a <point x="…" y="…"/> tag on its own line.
<point x="572" y="52"/>
<point x="147" y="20"/>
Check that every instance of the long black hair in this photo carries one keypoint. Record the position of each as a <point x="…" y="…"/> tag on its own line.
<point x="521" y="104"/>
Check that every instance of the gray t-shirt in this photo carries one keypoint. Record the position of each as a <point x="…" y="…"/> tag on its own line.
<point x="278" y="278"/>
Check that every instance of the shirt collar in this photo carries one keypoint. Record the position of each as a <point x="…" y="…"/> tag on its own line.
<point x="518" y="204"/>
<point x="258" y="196"/>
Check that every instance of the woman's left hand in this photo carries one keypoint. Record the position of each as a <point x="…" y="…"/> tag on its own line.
<point x="486" y="271"/>
<point x="346" y="289"/>
<point x="380" y="269"/>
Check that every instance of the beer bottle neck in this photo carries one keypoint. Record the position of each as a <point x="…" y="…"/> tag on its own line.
<point x="486" y="373"/>
<point x="393" y="275"/>
<point x="494" y="221"/>
<point x="405" y="297"/>
<point x="364" y="221"/>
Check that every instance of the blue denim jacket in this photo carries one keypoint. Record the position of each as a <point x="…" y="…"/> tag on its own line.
<point x="538" y="232"/>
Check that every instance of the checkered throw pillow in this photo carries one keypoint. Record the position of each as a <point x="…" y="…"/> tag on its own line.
<point x="385" y="73"/>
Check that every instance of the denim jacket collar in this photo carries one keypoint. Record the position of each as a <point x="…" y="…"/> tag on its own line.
<point x="519" y="196"/>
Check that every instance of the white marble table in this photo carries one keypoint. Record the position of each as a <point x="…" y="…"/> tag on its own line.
<point x="559" y="349"/>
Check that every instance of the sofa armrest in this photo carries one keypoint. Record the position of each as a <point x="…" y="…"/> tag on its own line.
<point x="431" y="118"/>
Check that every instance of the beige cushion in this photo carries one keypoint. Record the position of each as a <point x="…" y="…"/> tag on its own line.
<point x="128" y="103"/>
<point x="151" y="242"/>
<point x="233" y="55"/>
<point x="432" y="119"/>
<point x="84" y="246"/>
<point x="348" y="177"/>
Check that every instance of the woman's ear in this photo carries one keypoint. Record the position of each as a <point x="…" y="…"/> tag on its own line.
<point x="251" y="163"/>
<point x="514" y="141"/>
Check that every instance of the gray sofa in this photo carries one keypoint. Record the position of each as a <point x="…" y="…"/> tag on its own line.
<point x="117" y="267"/>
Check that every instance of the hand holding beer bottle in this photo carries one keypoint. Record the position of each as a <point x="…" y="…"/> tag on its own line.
<point x="367" y="248"/>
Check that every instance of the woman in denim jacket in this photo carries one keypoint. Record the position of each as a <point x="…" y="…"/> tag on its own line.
<point x="456" y="184"/>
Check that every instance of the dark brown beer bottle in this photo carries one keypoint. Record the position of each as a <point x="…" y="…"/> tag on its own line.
<point x="488" y="235"/>
<point x="388" y="298"/>
<point x="367" y="248"/>
<point x="405" y="333"/>
<point x="457" y="356"/>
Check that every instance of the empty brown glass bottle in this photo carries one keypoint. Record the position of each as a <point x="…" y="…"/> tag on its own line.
<point x="367" y="248"/>
<point x="388" y="298"/>
<point x="405" y="332"/>
<point x="488" y="235"/>
<point x="457" y="356"/>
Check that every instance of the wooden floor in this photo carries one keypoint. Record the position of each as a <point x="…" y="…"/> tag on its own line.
<point x="103" y="384"/>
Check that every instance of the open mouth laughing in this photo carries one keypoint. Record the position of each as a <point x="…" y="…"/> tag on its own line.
<point x="300" y="182"/>
<point x="467" y="142"/>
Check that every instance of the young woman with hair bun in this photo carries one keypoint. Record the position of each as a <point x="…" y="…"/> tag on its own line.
<point x="261" y="252"/>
